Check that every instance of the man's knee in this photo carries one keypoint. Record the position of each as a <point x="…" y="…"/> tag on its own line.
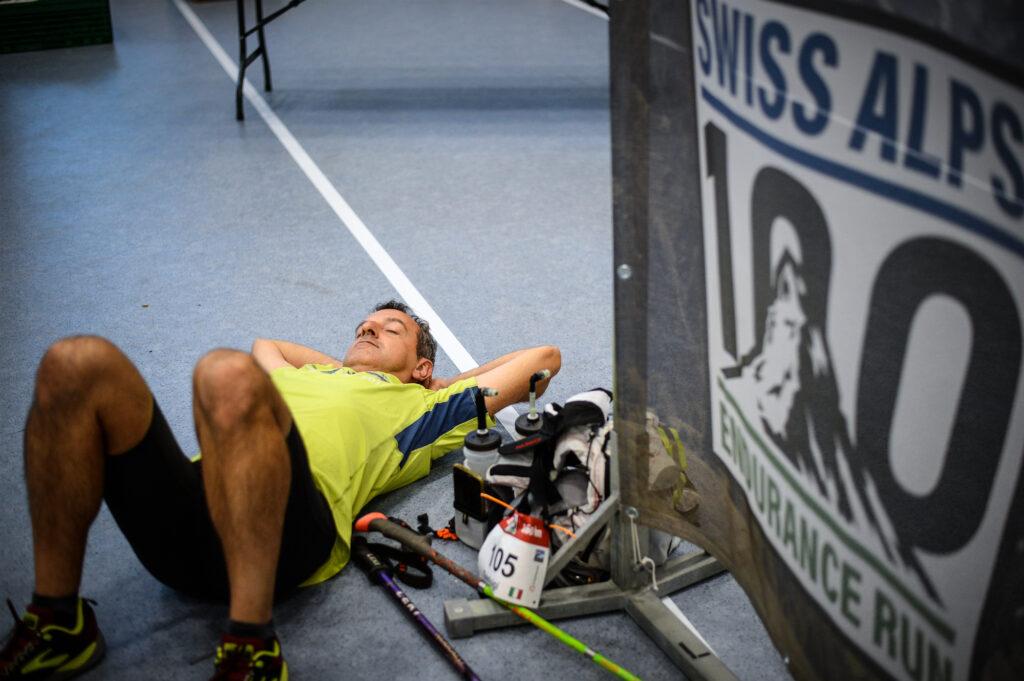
<point x="73" y="366"/>
<point x="229" y="388"/>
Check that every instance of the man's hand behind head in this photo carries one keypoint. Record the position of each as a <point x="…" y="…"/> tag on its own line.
<point x="437" y="383"/>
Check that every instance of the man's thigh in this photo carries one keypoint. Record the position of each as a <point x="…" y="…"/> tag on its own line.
<point x="156" y="496"/>
<point x="309" y="532"/>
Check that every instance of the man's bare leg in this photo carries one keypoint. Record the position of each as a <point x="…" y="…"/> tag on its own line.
<point x="242" y="422"/>
<point x="89" y="402"/>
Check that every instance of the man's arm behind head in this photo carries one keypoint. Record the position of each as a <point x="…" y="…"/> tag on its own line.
<point x="510" y="375"/>
<point x="271" y="354"/>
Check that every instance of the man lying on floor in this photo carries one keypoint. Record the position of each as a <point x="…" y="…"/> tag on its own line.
<point x="294" y="443"/>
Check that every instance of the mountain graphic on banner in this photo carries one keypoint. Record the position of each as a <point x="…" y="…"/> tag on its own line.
<point x="790" y="371"/>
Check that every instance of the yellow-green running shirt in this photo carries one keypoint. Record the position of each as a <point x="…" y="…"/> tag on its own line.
<point x="367" y="433"/>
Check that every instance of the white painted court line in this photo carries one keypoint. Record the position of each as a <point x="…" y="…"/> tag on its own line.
<point x="445" y="338"/>
<point x="667" y="42"/>
<point x="679" y="613"/>
<point x="586" y="8"/>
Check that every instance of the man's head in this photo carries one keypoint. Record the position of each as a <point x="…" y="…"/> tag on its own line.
<point x="392" y="339"/>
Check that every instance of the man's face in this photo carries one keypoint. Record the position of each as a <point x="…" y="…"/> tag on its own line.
<point x="386" y="341"/>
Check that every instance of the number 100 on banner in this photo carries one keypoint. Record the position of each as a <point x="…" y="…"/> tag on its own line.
<point x="862" y="197"/>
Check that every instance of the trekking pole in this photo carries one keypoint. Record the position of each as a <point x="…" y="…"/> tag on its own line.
<point x="378" y="571"/>
<point x="378" y="522"/>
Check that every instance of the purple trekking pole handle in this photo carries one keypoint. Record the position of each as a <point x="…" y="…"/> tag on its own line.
<point x="429" y="629"/>
<point x="377" y="571"/>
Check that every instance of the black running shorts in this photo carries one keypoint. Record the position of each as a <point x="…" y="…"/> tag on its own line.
<point x="156" y="496"/>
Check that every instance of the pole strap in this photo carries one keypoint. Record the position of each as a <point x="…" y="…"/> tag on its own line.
<point x="408" y="567"/>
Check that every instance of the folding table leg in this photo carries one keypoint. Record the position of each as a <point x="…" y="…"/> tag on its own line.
<point x="239" y="112"/>
<point x="267" y="87"/>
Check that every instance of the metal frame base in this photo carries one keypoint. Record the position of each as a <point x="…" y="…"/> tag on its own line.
<point x="683" y="645"/>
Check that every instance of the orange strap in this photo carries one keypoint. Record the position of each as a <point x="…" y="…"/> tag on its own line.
<point x="498" y="501"/>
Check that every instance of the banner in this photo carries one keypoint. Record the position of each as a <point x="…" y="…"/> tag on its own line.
<point x="863" y="225"/>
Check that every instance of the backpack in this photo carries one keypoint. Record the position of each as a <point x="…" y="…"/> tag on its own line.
<point x="568" y="478"/>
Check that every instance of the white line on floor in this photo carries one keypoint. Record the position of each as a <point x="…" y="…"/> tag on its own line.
<point x="656" y="37"/>
<point x="586" y="8"/>
<point x="445" y="338"/>
<point x="679" y="613"/>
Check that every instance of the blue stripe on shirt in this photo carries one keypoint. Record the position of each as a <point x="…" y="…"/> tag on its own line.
<point x="441" y="418"/>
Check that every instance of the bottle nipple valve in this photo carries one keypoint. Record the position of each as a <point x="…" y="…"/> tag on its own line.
<point x="481" y="445"/>
<point x="481" y="408"/>
<point x="530" y="422"/>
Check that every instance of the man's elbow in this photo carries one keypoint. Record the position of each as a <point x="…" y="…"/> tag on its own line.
<point x="552" y="359"/>
<point x="257" y="344"/>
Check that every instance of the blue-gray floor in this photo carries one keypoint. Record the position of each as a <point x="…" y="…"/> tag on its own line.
<point x="472" y="138"/>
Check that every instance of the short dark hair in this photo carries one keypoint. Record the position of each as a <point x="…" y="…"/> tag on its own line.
<point x="426" y="346"/>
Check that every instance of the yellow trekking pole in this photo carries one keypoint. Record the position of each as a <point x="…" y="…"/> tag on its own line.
<point x="378" y="522"/>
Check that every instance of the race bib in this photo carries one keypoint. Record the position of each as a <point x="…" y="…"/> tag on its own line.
<point x="514" y="559"/>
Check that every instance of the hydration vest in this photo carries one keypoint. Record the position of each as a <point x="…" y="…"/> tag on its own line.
<point x="569" y="477"/>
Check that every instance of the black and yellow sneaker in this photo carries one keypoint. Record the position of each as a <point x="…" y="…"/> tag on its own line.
<point x="39" y="648"/>
<point x="249" y="659"/>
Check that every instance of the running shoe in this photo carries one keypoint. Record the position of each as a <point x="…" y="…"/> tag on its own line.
<point x="38" y="648"/>
<point x="249" y="659"/>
